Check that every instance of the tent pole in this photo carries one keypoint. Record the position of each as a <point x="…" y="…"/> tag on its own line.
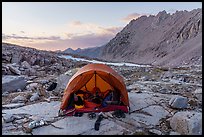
<point x="95" y="77"/>
<point x="86" y="88"/>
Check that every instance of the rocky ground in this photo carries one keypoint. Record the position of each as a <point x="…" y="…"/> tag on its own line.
<point x="163" y="101"/>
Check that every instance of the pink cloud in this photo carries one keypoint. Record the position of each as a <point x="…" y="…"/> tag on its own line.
<point x="72" y="41"/>
<point x="132" y="16"/>
<point x="114" y="30"/>
<point x="89" y="40"/>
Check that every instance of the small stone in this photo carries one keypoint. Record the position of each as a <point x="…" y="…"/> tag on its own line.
<point x="178" y="102"/>
<point x="21" y="69"/>
<point x="2" y="121"/>
<point x="5" y="94"/>
<point x="164" y="91"/>
<point x="12" y="83"/>
<point x="187" y="123"/>
<point x="19" y="90"/>
<point x="34" y="97"/>
<point x="71" y="72"/>
<point x="198" y="94"/>
<point x="181" y="79"/>
<point x="8" y="118"/>
<point x="13" y="105"/>
<point x="137" y="91"/>
<point x="31" y="86"/>
<point x="155" y="131"/>
<point x="19" y="99"/>
<point x="14" y="70"/>
<point x="25" y="65"/>
<point x="174" y="133"/>
<point x="36" y="123"/>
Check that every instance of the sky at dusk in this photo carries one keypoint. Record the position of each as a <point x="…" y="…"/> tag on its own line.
<point x="58" y="26"/>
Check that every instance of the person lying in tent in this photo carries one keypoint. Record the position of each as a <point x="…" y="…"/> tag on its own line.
<point x="111" y="97"/>
<point x="78" y="100"/>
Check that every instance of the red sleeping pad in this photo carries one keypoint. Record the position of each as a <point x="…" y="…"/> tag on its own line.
<point x="104" y="109"/>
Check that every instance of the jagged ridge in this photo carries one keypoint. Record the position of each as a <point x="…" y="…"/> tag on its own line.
<point x="164" y="39"/>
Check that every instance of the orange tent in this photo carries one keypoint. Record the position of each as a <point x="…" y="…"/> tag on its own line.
<point x="95" y="75"/>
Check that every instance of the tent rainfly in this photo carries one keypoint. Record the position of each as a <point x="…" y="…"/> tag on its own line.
<point x="96" y="76"/>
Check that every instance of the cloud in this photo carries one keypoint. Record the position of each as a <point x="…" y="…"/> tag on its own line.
<point x="75" y="34"/>
<point x="97" y="36"/>
<point x="78" y="28"/>
<point x="114" y="30"/>
<point x="15" y="36"/>
<point x="82" y="41"/>
<point x="132" y="16"/>
<point x="22" y="31"/>
<point x="76" y="23"/>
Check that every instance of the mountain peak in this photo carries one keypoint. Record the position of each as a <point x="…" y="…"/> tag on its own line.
<point x="162" y="12"/>
<point x="68" y="50"/>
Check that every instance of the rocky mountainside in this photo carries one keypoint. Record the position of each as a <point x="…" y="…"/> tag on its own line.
<point x="164" y="39"/>
<point x="18" y="60"/>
